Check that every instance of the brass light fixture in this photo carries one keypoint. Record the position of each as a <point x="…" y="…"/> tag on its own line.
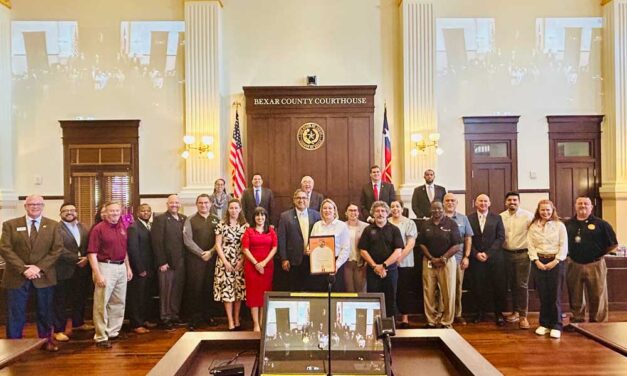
<point x="202" y="148"/>
<point x="422" y="145"/>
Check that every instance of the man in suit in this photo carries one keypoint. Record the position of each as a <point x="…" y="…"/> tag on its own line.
<point x="257" y="196"/>
<point x="169" y="250"/>
<point x="141" y="258"/>
<point x="425" y="194"/>
<point x="315" y="198"/>
<point x="375" y="190"/>
<point x="293" y="236"/>
<point x="73" y="273"/>
<point x="30" y="246"/>
<point x="487" y="263"/>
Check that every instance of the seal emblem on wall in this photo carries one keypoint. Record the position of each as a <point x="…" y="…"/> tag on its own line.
<point x="310" y="136"/>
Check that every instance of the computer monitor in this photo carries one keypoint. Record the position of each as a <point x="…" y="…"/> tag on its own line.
<point x="295" y="335"/>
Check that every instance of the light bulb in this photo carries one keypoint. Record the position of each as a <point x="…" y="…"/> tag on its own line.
<point x="185" y="154"/>
<point x="188" y="140"/>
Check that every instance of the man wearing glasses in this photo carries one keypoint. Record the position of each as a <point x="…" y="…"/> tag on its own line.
<point x="30" y="246"/>
<point x="294" y="228"/>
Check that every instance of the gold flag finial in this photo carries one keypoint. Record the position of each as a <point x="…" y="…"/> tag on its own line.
<point x="6" y="3"/>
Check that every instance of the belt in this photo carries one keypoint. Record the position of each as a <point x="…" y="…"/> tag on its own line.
<point x="546" y="256"/>
<point x="523" y="250"/>
<point x="588" y="262"/>
<point x="116" y="262"/>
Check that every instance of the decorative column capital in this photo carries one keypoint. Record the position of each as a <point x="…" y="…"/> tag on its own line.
<point x="603" y="2"/>
<point x="198" y="1"/>
<point x="6" y="3"/>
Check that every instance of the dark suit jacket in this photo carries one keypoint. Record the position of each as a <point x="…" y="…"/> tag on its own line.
<point x="167" y="239"/>
<point x="315" y="200"/>
<point x="420" y="203"/>
<point x="493" y="235"/>
<point x="291" y="238"/>
<point x="366" y="199"/>
<point x="16" y="250"/>
<point x="140" y="254"/>
<point x="249" y="204"/>
<point x="66" y="263"/>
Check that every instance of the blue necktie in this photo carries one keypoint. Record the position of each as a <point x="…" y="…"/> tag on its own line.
<point x="257" y="198"/>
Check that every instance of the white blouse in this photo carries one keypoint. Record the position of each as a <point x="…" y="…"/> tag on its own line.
<point x="408" y="231"/>
<point x="548" y="239"/>
<point x="342" y="238"/>
<point x="355" y="233"/>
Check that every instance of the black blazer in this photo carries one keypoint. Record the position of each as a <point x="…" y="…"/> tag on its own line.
<point x="315" y="200"/>
<point x="291" y="238"/>
<point x="140" y="255"/>
<point x="420" y="203"/>
<point x="493" y="236"/>
<point x="167" y="239"/>
<point x="66" y="263"/>
<point x="366" y="198"/>
<point x="249" y="204"/>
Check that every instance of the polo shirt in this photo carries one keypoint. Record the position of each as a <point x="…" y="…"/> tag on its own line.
<point x="596" y="236"/>
<point x="441" y="237"/>
<point x="380" y="242"/>
<point x="108" y="241"/>
<point x="465" y="230"/>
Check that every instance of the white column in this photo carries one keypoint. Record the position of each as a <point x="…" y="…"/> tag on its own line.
<point x="8" y="196"/>
<point x="419" y="89"/>
<point x="203" y="47"/>
<point x="614" y="136"/>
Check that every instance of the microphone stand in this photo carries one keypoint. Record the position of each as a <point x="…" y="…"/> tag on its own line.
<point x="331" y="280"/>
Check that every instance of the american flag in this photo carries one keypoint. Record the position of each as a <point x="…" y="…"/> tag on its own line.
<point x="236" y="159"/>
<point x="387" y="150"/>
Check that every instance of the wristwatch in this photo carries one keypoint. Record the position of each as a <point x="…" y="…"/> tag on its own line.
<point x="385" y="266"/>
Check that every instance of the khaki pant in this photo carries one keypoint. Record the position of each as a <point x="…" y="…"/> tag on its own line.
<point x="109" y="301"/>
<point x="354" y="277"/>
<point x="459" y="282"/>
<point x="587" y="286"/>
<point x="443" y="279"/>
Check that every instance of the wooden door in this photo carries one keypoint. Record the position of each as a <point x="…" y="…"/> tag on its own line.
<point x="491" y="159"/>
<point x="574" y="161"/>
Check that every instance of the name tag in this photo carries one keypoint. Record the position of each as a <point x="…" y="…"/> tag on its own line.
<point x="20" y="229"/>
<point x="445" y="229"/>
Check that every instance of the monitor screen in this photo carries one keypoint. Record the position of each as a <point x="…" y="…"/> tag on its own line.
<point x="295" y="335"/>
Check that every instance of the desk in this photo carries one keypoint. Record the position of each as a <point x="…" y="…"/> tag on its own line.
<point x="432" y="351"/>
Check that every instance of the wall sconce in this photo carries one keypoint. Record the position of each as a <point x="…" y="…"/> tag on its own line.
<point x="204" y="147"/>
<point x="420" y="145"/>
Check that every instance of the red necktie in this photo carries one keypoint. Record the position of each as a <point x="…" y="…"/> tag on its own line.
<point x="376" y="192"/>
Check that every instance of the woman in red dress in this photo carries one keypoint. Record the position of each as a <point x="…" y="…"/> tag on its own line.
<point x="259" y="245"/>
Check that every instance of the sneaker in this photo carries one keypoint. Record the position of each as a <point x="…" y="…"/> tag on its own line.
<point x="542" y="331"/>
<point x="61" y="337"/>
<point x="84" y="327"/>
<point x="513" y="317"/>
<point x="103" y="344"/>
<point x="523" y="323"/>
<point x="555" y="333"/>
<point x="460" y="320"/>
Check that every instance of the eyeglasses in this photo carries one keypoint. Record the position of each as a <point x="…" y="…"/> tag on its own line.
<point x="68" y="211"/>
<point x="34" y="205"/>
<point x="300" y="198"/>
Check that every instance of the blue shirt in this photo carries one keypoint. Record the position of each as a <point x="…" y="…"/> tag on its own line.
<point x="464" y="230"/>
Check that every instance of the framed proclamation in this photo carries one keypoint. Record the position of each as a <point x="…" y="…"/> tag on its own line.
<point x="322" y="256"/>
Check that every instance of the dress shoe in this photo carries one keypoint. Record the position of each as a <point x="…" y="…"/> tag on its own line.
<point x="150" y="325"/>
<point x="479" y="318"/>
<point x="460" y="320"/>
<point x="403" y="325"/>
<point x="212" y="322"/>
<point x="61" y="337"/>
<point x="84" y="327"/>
<point x="168" y="325"/>
<point x="50" y="347"/>
<point x="542" y="331"/>
<point x="513" y="317"/>
<point x="523" y="323"/>
<point x="141" y="330"/>
<point x="555" y="334"/>
<point x="500" y="320"/>
<point x="118" y="337"/>
<point x="429" y="326"/>
<point x="103" y="344"/>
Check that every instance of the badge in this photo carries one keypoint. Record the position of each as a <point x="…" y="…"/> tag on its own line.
<point x="591" y="226"/>
<point x="577" y="239"/>
<point x="20" y="229"/>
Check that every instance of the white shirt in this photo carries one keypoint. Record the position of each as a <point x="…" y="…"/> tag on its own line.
<point x="430" y="191"/>
<point x="338" y="229"/>
<point x="549" y="239"/>
<point x="29" y="223"/>
<point x="303" y="222"/>
<point x="408" y="231"/>
<point x="73" y="227"/>
<point x="354" y="235"/>
<point x="516" y="226"/>
<point x="482" y="218"/>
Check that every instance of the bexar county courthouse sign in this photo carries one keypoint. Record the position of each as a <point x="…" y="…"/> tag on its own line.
<point x="291" y="101"/>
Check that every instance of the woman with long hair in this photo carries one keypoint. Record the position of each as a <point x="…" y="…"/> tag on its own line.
<point x="355" y="269"/>
<point x="548" y="248"/>
<point x="220" y="198"/>
<point x="229" y="286"/>
<point x="259" y="245"/>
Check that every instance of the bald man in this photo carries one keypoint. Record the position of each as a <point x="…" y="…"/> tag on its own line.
<point x="315" y="198"/>
<point x="169" y="249"/>
<point x="30" y="245"/>
<point x="487" y="263"/>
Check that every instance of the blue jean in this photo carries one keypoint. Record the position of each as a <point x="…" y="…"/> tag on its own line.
<point x="16" y="304"/>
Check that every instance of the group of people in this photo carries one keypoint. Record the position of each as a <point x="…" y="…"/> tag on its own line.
<point x="227" y="251"/>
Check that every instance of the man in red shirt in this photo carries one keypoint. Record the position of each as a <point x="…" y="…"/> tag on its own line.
<point x="108" y="258"/>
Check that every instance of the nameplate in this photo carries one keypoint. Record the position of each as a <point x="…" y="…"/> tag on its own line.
<point x="309" y="101"/>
